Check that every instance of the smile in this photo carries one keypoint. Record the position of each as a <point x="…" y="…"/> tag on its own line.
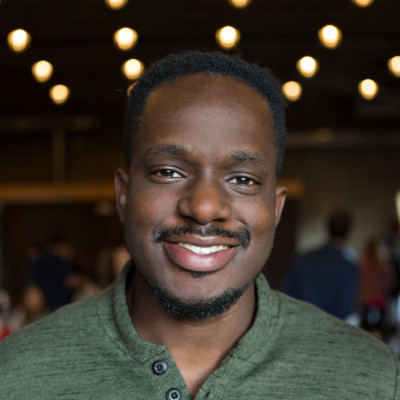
<point x="203" y="258"/>
<point x="203" y="250"/>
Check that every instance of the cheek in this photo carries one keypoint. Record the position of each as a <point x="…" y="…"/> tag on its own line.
<point x="259" y="215"/>
<point x="146" y="210"/>
<point x="261" y="223"/>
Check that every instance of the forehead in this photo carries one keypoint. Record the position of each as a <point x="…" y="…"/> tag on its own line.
<point x="206" y="87"/>
<point x="200" y="107"/>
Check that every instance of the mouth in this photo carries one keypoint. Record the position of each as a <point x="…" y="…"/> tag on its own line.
<point x="199" y="257"/>
<point x="204" y="249"/>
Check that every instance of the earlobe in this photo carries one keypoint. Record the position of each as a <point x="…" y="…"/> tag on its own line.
<point x="281" y="193"/>
<point x="121" y="179"/>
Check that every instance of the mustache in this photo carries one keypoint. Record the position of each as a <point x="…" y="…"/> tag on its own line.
<point x="161" y="234"/>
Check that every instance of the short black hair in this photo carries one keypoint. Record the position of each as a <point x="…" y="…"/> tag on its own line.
<point x="192" y="62"/>
<point x="339" y="224"/>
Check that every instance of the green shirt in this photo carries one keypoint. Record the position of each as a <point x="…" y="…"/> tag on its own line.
<point x="90" y="350"/>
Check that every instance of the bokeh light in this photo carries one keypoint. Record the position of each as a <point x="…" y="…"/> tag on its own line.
<point x="227" y="37"/>
<point x="330" y="36"/>
<point x="132" y="68"/>
<point x="394" y="66"/>
<point x="239" y="3"/>
<point x="292" y="90"/>
<point x="42" y="71"/>
<point x="18" y="40"/>
<point x="125" y="38"/>
<point x="116" y="4"/>
<point x="307" y="66"/>
<point x="368" y="89"/>
<point x="362" y="3"/>
<point x="59" y="94"/>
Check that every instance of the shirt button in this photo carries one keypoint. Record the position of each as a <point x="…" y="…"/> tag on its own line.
<point x="159" y="367"/>
<point x="173" y="394"/>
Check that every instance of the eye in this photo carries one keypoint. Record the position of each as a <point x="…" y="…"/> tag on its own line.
<point x="168" y="173"/>
<point x="165" y="175"/>
<point x="243" y="181"/>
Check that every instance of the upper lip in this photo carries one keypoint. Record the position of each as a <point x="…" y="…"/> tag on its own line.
<point x="203" y="241"/>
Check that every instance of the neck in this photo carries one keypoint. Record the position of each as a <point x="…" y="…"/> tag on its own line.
<point x="337" y="242"/>
<point x="208" y="341"/>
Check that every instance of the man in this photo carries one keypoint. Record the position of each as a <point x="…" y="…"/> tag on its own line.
<point x="327" y="276"/>
<point x="191" y="316"/>
<point x="51" y="272"/>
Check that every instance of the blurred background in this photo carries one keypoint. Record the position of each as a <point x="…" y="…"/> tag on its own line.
<point x="65" y="67"/>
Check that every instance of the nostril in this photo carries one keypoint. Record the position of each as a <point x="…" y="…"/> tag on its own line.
<point x="205" y="204"/>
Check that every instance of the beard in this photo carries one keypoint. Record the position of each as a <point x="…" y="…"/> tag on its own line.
<point x="198" y="310"/>
<point x="201" y="309"/>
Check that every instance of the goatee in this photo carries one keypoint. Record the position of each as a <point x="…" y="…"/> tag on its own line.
<point x="198" y="310"/>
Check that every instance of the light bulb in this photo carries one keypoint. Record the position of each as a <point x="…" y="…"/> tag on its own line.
<point x="394" y="66"/>
<point x="116" y="4"/>
<point x="132" y="68"/>
<point x="239" y="3"/>
<point x="227" y="37"/>
<point x="42" y="71"/>
<point x="362" y="3"/>
<point x="125" y="38"/>
<point x="307" y="66"/>
<point x="330" y="36"/>
<point x="18" y="40"/>
<point x="368" y="89"/>
<point x="292" y="90"/>
<point x="59" y="94"/>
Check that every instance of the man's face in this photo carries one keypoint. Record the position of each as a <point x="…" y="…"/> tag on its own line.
<point x="200" y="204"/>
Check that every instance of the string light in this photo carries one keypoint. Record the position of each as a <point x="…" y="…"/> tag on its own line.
<point x="116" y="4"/>
<point x="307" y="66"/>
<point x="227" y="37"/>
<point x="125" y="38"/>
<point x="330" y="36"/>
<point x="18" y="40"/>
<point x="394" y="66"/>
<point x="239" y="3"/>
<point x="292" y="90"/>
<point x="42" y="71"/>
<point x="362" y="3"/>
<point x="132" y="68"/>
<point x="368" y="89"/>
<point x="59" y="94"/>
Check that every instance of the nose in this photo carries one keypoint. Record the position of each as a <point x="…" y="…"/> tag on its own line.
<point x="205" y="200"/>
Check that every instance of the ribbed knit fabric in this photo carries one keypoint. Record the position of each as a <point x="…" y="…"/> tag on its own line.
<point x="90" y="350"/>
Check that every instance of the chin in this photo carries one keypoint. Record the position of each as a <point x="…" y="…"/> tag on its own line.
<point x="198" y="309"/>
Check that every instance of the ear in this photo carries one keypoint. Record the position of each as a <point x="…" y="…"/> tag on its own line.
<point x="121" y="180"/>
<point x="280" y="197"/>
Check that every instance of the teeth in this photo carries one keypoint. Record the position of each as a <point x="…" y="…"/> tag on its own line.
<point x="203" y="250"/>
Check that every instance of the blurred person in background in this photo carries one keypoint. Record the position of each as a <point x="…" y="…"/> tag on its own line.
<point x="377" y="281"/>
<point x="327" y="277"/>
<point x="5" y="313"/>
<point x="392" y="241"/>
<point x="31" y="309"/>
<point x="51" y="271"/>
<point x="110" y="262"/>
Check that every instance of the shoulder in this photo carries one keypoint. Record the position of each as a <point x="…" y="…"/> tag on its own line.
<point x="313" y="348"/>
<point x="53" y="351"/>
<point x="311" y="328"/>
<point x="50" y="336"/>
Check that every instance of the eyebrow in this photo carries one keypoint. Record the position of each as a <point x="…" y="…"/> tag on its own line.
<point x="236" y="156"/>
<point x="243" y="157"/>
<point x="167" y="149"/>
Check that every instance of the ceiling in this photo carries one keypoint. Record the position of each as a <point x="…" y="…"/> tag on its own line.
<point x="76" y="37"/>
